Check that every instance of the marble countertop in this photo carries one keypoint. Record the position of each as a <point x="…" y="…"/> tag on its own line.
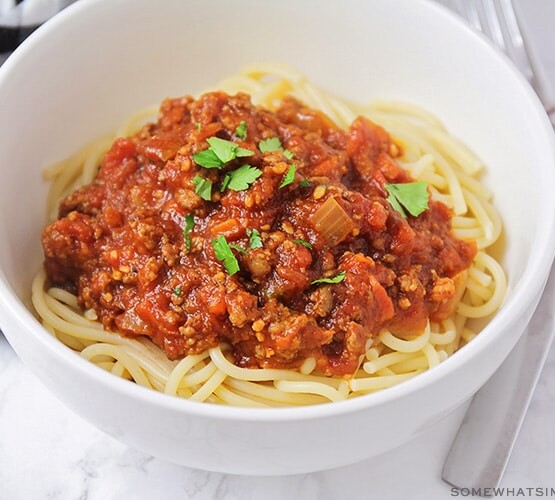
<point x="47" y="452"/>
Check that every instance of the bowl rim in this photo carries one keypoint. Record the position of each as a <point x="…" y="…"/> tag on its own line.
<point x="520" y="299"/>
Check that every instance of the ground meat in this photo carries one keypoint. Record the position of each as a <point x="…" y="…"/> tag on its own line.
<point x="317" y="209"/>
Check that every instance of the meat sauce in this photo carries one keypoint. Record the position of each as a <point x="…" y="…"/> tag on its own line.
<point x="123" y="246"/>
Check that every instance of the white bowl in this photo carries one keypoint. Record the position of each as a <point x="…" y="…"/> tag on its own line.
<point x="97" y="62"/>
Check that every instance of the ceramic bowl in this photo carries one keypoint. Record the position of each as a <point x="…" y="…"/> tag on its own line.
<point x="83" y="72"/>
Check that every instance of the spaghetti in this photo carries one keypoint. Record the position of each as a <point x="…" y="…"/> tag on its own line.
<point x="429" y="154"/>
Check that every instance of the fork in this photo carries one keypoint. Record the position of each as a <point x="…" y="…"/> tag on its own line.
<point x="482" y="448"/>
<point x="498" y="21"/>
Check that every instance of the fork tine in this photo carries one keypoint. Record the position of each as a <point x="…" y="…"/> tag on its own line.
<point x="491" y="26"/>
<point x="469" y="11"/>
<point x="514" y="41"/>
<point x="497" y="20"/>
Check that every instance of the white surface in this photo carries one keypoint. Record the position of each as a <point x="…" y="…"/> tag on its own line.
<point x="47" y="452"/>
<point x="505" y="124"/>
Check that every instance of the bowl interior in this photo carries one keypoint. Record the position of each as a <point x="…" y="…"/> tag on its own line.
<point x="71" y="83"/>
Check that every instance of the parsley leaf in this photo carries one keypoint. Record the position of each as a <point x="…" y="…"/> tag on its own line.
<point x="242" y="178"/>
<point x="189" y="224"/>
<point x="410" y="196"/>
<point x="224" y="150"/>
<point x="241" y="130"/>
<point x="203" y="187"/>
<point x="255" y="241"/>
<point x="242" y="152"/>
<point x="227" y="150"/>
<point x="392" y="200"/>
<point x="208" y="159"/>
<point x="336" y="279"/>
<point x="305" y="183"/>
<point x="274" y="144"/>
<point x="225" y="182"/>
<point x="224" y="254"/>
<point x="271" y="144"/>
<point x="304" y="243"/>
<point x="198" y="126"/>
<point x="289" y="177"/>
<point x="177" y="291"/>
<point x="219" y="153"/>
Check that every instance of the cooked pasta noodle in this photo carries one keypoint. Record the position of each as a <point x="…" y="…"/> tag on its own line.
<point x="429" y="153"/>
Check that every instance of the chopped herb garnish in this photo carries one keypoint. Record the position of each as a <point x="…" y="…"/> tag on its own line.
<point x="225" y="255"/>
<point x="225" y="182"/>
<point x="242" y="152"/>
<point x="208" y="159"/>
<point x="241" y="130"/>
<point x="271" y="144"/>
<point x="219" y="153"/>
<point x="289" y="177"/>
<point x="242" y="178"/>
<point x="336" y="279"/>
<point x="198" y="126"/>
<point x="238" y="248"/>
<point x="227" y="150"/>
<point x="304" y="243"/>
<point x="177" y="291"/>
<point x="189" y="224"/>
<point x="305" y="183"/>
<point x="274" y="144"/>
<point x="255" y="241"/>
<point x="203" y="187"/>
<point x="410" y="196"/>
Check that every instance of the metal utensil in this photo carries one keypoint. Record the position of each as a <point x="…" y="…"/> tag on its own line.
<point x="498" y="20"/>
<point x="483" y="445"/>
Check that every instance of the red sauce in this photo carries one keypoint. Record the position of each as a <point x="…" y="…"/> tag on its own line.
<point x="119" y="242"/>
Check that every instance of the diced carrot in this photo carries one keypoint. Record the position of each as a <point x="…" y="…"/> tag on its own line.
<point x="229" y="228"/>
